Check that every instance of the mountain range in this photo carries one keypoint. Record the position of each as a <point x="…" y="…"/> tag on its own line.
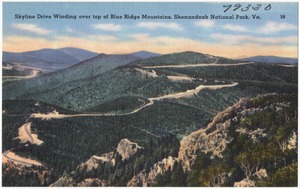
<point x="55" y="59"/>
<point x="179" y="119"/>
<point x="49" y="59"/>
<point x="25" y="65"/>
<point x="272" y="59"/>
<point x="145" y="54"/>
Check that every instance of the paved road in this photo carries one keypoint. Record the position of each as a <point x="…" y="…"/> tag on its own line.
<point x="23" y="161"/>
<point x="56" y="115"/>
<point x="198" y="65"/>
<point x="33" y="74"/>
<point x="28" y="133"/>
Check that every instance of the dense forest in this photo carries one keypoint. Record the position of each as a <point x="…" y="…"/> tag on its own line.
<point x="214" y="126"/>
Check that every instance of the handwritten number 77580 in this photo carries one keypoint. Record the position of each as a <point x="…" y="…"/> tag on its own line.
<point x="246" y="8"/>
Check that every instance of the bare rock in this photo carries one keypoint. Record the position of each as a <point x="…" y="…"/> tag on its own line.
<point x="262" y="173"/>
<point x="292" y="141"/>
<point x="96" y="161"/>
<point x="139" y="180"/>
<point x="159" y="168"/>
<point x="64" y="181"/>
<point x="93" y="182"/>
<point x="244" y="183"/>
<point x="127" y="149"/>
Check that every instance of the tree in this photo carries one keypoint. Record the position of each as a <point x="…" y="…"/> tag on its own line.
<point x="285" y="176"/>
<point x="248" y="162"/>
<point x="178" y="177"/>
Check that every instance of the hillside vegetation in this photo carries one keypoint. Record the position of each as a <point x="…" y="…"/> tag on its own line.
<point x="84" y="113"/>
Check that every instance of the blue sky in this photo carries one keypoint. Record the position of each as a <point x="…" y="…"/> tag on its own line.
<point x="269" y="35"/>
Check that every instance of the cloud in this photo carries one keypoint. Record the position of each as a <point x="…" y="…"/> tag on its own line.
<point x="70" y="30"/>
<point x="205" y="23"/>
<point x="268" y="28"/>
<point x="241" y="39"/>
<point x="155" y="25"/>
<point x="102" y="37"/>
<point x="16" y="43"/>
<point x="30" y="28"/>
<point x="139" y="36"/>
<point x="234" y="27"/>
<point x="160" y="44"/>
<point x="108" y="27"/>
<point x="274" y="27"/>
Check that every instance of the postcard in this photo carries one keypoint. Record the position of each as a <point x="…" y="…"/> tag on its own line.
<point x="175" y="94"/>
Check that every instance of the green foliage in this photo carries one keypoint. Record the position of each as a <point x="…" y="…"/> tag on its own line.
<point x="283" y="177"/>
<point x="14" y="72"/>
<point x="208" y="173"/>
<point x="13" y="177"/>
<point x="175" y="177"/>
<point x="176" y="58"/>
<point x="123" y="171"/>
<point x="120" y="105"/>
<point x="97" y="88"/>
<point x="253" y="72"/>
<point x="243" y="157"/>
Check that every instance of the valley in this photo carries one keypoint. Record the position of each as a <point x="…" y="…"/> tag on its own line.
<point x="163" y="104"/>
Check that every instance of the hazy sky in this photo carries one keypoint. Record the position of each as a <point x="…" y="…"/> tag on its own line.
<point x="269" y="35"/>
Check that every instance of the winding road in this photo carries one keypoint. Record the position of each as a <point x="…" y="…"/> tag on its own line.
<point x="199" y="65"/>
<point x="32" y="75"/>
<point x="10" y="156"/>
<point x="31" y="140"/>
<point x="25" y="135"/>
<point x="56" y="115"/>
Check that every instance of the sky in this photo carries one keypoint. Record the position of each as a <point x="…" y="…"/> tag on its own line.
<point x="275" y="33"/>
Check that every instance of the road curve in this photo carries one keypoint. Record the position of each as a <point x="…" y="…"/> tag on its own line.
<point x="19" y="160"/>
<point x="33" y="74"/>
<point x="57" y="115"/>
<point x="31" y="140"/>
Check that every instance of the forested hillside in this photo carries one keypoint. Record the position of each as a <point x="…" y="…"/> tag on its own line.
<point x="181" y="119"/>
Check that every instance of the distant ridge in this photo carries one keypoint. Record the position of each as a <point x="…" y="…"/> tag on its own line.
<point x="145" y="54"/>
<point x="272" y="59"/>
<point x="84" y="70"/>
<point x="49" y="59"/>
<point x="80" y="54"/>
<point x="187" y="57"/>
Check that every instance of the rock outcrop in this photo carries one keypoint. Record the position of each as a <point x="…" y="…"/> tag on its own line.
<point x="96" y="161"/>
<point x="214" y="139"/>
<point x="70" y="182"/>
<point x="39" y="174"/>
<point x="90" y="182"/>
<point x="127" y="149"/>
<point x="139" y="180"/>
<point x="262" y="173"/>
<point x="64" y="181"/>
<point x="149" y="179"/>
<point x="292" y="141"/>
<point x="233" y="124"/>
<point x="245" y="183"/>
